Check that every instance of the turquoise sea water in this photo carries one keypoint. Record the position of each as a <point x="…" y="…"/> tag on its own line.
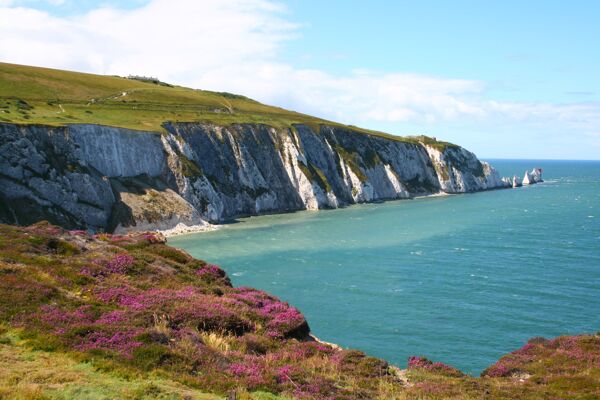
<point x="461" y="279"/>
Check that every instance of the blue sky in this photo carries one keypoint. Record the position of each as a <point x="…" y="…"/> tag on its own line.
<point x="509" y="79"/>
<point x="527" y="50"/>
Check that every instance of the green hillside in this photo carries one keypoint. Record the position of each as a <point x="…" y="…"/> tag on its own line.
<point x="33" y="95"/>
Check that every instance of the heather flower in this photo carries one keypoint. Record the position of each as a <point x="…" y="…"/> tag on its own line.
<point x="415" y="362"/>
<point x="120" y="263"/>
<point x="498" y="370"/>
<point x="123" y="342"/>
<point x="210" y="273"/>
<point x="281" y="319"/>
<point x="112" y="318"/>
<point x="283" y="373"/>
<point x="153" y="238"/>
<point x="57" y="317"/>
<point x="117" y="295"/>
<point x="208" y="315"/>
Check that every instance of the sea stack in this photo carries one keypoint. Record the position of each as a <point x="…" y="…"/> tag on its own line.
<point x="535" y="176"/>
<point x="527" y="180"/>
<point x="516" y="182"/>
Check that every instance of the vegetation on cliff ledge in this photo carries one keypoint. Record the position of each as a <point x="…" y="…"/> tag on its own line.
<point x="110" y="316"/>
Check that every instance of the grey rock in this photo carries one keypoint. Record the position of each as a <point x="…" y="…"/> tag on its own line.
<point x="106" y="178"/>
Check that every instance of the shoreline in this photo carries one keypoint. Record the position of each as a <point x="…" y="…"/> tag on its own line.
<point x="183" y="229"/>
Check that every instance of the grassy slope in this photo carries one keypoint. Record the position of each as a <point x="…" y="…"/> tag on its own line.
<point x="129" y="317"/>
<point x="32" y="95"/>
<point x="38" y="374"/>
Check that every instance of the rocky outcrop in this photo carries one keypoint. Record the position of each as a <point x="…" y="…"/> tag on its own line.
<point x="516" y="182"/>
<point x="106" y="178"/>
<point x="533" y="177"/>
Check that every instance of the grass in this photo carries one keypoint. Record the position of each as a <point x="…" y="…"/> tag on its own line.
<point x="33" y="95"/>
<point x="33" y="374"/>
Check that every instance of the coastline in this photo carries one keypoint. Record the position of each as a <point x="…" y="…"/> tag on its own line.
<point x="183" y="229"/>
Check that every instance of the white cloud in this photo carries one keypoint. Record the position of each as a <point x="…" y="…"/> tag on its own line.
<point x="233" y="46"/>
<point x="176" y="40"/>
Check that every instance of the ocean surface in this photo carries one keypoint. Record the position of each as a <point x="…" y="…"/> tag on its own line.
<point x="461" y="279"/>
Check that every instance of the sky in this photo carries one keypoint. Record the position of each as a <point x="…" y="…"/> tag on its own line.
<point x="505" y="79"/>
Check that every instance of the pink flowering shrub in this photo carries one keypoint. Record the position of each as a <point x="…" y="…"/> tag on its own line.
<point x="499" y="370"/>
<point x="415" y="362"/>
<point x="122" y="342"/>
<point x="240" y="369"/>
<point x="356" y="362"/>
<point x="114" y="317"/>
<point x="154" y="238"/>
<point x="281" y="319"/>
<point x="117" y="294"/>
<point x="207" y="314"/>
<point x="59" y="318"/>
<point x="120" y="263"/>
<point x="569" y="353"/>
<point x="210" y="273"/>
<point x="318" y="387"/>
<point x="284" y="372"/>
<point x="252" y="372"/>
<point x="100" y="268"/>
<point x="89" y="330"/>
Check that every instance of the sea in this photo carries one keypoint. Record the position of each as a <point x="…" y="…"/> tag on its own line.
<point x="461" y="279"/>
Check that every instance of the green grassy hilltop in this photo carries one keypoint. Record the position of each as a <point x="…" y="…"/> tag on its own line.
<point x="33" y="95"/>
<point x="47" y="96"/>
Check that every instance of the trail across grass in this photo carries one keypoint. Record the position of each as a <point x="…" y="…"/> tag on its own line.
<point x="33" y="95"/>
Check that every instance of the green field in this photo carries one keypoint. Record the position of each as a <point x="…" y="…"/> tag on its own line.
<point x="33" y="95"/>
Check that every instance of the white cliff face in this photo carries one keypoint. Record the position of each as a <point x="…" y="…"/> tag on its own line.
<point x="361" y="192"/>
<point x="111" y="178"/>
<point x="459" y="171"/>
<point x="117" y="152"/>
<point x="399" y="189"/>
<point x="291" y="157"/>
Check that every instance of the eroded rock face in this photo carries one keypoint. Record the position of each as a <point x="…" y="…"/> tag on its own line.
<point x="43" y="176"/>
<point x="104" y="178"/>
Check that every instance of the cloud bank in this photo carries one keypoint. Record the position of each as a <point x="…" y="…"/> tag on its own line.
<point x="235" y="45"/>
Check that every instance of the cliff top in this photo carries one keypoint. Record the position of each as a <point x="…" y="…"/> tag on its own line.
<point x="34" y="95"/>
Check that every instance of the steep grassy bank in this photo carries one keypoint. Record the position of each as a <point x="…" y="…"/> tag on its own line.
<point x="129" y="316"/>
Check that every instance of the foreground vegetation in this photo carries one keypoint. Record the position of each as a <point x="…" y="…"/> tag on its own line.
<point x="109" y="316"/>
<point x="32" y="95"/>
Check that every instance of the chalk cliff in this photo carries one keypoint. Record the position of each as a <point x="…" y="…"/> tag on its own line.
<point x="532" y="177"/>
<point x="106" y="178"/>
